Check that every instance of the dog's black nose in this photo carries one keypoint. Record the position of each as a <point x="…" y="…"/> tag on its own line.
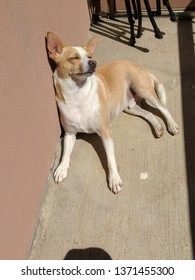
<point x="92" y="63"/>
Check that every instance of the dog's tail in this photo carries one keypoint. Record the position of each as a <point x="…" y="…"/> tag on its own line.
<point x="160" y="90"/>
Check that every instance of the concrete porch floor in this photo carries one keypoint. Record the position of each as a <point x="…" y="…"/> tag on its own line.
<point x="151" y="218"/>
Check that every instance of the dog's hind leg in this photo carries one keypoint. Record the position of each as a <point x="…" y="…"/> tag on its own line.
<point x="136" y="110"/>
<point x="172" y="125"/>
<point x="149" y="94"/>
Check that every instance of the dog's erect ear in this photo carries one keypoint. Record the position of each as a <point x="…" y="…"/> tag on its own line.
<point x="54" y="44"/>
<point x="91" y="45"/>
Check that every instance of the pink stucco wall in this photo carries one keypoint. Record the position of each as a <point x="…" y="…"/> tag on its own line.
<point x="29" y="127"/>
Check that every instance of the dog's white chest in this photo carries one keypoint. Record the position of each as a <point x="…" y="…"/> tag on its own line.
<point x="80" y="111"/>
<point x="81" y="118"/>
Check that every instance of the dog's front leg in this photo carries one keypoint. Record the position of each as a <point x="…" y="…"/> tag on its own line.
<point x="61" y="172"/>
<point x="115" y="181"/>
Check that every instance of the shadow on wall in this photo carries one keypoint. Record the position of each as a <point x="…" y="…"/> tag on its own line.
<point x="187" y="66"/>
<point x="87" y="254"/>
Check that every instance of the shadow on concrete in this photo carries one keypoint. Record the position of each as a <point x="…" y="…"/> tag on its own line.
<point x="117" y="30"/>
<point x="87" y="254"/>
<point x="95" y="141"/>
<point x="187" y="66"/>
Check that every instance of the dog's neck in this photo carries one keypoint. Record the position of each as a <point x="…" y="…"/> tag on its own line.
<point x="72" y="87"/>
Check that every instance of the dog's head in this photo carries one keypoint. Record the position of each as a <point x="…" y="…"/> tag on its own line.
<point x="75" y="62"/>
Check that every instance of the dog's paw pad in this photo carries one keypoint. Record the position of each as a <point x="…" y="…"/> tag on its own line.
<point x="60" y="174"/>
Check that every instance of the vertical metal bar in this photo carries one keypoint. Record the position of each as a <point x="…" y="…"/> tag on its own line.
<point x="158" y="7"/>
<point x="157" y="31"/>
<point x="131" y="21"/>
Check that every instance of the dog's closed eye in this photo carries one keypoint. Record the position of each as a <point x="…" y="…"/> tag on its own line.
<point x="74" y="58"/>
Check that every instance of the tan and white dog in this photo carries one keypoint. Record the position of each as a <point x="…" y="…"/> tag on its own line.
<point x="90" y="99"/>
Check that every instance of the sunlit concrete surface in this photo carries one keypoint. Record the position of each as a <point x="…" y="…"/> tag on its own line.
<point x="152" y="218"/>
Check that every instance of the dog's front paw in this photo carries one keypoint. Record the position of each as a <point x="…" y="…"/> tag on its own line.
<point x="173" y="128"/>
<point x="115" y="183"/>
<point x="60" y="173"/>
<point x="159" y="130"/>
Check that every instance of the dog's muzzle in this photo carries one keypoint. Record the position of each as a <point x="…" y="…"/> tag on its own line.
<point x="92" y="65"/>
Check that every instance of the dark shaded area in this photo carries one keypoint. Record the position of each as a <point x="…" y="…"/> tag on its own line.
<point x="115" y="31"/>
<point x="187" y="66"/>
<point x="52" y="65"/>
<point x="87" y="254"/>
<point x="95" y="141"/>
<point x="50" y="61"/>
